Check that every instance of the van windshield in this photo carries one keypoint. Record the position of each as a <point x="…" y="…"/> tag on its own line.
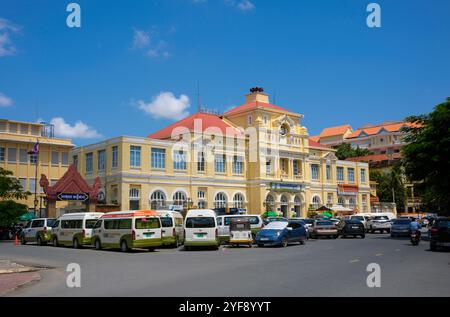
<point x="90" y="223"/>
<point x="200" y="222"/>
<point x="50" y="222"/>
<point x="166" y="222"/>
<point x="147" y="223"/>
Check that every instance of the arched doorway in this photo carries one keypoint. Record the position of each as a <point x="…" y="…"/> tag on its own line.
<point x="270" y="203"/>
<point x="298" y="206"/>
<point x="284" y="204"/>
<point x="220" y="203"/>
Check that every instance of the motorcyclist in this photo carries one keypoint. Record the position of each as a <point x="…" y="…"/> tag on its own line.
<point x="414" y="226"/>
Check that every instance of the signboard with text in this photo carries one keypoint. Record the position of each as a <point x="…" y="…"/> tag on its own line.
<point x="73" y="196"/>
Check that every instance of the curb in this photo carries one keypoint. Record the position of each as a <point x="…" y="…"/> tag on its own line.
<point x="18" y="270"/>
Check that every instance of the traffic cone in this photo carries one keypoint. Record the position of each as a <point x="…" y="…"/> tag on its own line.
<point x="16" y="240"/>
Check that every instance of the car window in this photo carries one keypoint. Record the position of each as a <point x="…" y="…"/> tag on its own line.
<point x="37" y="223"/>
<point x="90" y="223"/>
<point x="200" y="222"/>
<point x="56" y="224"/>
<point x="50" y="222"/>
<point x="98" y="224"/>
<point x="147" y="223"/>
<point x="166" y="222"/>
<point x="443" y="224"/>
<point x="219" y="221"/>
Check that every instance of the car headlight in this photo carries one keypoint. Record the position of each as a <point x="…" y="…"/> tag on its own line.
<point x="278" y="234"/>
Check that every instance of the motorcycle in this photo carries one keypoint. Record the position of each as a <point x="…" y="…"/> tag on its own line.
<point x="415" y="237"/>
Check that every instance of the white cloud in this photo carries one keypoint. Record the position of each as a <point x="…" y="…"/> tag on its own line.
<point x="80" y="130"/>
<point x="166" y="106"/>
<point x="243" y="5"/>
<point x="149" y="44"/>
<point x="5" y="101"/>
<point x="141" y="39"/>
<point x="7" y="28"/>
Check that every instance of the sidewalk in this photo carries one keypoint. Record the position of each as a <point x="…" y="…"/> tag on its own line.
<point x="14" y="275"/>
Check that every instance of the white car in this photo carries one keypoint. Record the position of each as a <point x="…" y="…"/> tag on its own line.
<point x="364" y="219"/>
<point x="380" y="223"/>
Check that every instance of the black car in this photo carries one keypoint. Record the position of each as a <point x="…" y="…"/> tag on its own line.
<point x="352" y="228"/>
<point x="440" y="233"/>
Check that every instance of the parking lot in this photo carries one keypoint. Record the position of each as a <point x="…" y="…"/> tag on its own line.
<point x="318" y="268"/>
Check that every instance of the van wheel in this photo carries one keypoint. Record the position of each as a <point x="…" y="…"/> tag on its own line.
<point x="76" y="243"/>
<point x="186" y="248"/>
<point x="151" y="249"/>
<point x="124" y="246"/>
<point x="98" y="245"/>
<point x="260" y="245"/>
<point x="55" y="242"/>
<point x="22" y="240"/>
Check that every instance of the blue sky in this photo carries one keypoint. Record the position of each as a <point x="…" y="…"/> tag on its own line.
<point x="319" y="58"/>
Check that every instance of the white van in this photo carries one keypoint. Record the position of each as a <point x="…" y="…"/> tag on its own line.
<point x="127" y="230"/>
<point x="200" y="229"/>
<point x="223" y="223"/>
<point x="74" y="229"/>
<point x="37" y="230"/>
<point x="172" y="227"/>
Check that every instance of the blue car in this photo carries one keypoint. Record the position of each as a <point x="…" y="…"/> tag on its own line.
<point x="281" y="233"/>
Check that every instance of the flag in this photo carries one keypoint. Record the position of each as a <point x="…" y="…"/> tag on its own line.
<point x="35" y="149"/>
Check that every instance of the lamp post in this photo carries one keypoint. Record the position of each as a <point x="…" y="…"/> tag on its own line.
<point x="34" y="154"/>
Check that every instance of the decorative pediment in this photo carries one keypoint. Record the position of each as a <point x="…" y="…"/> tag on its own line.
<point x="71" y="183"/>
<point x="284" y="119"/>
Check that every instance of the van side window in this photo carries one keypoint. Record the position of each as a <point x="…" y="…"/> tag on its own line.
<point x="56" y="224"/>
<point x="179" y="222"/>
<point x="98" y="224"/>
<point x="219" y="221"/>
<point x="124" y="224"/>
<point x="109" y="224"/>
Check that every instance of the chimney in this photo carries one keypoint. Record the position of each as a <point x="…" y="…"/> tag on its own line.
<point x="257" y="94"/>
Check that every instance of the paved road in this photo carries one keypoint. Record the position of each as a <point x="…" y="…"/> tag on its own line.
<point x="319" y="268"/>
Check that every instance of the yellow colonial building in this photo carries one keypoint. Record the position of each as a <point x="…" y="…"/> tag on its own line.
<point x="257" y="157"/>
<point x="17" y="139"/>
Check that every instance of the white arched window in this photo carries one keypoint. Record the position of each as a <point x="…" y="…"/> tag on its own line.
<point x="316" y="202"/>
<point x="179" y="198"/>
<point x="220" y="201"/>
<point x="238" y="201"/>
<point x="157" y="199"/>
<point x="284" y="201"/>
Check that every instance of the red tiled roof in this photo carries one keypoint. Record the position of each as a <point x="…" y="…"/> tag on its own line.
<point x="371" y="130"/>
<point x="315" y="138"/>
<point x="254" y="105"/>
<point x="375" y="158"/>
<point x="313" y="143"/>
<point x="198" y="121"/>
<point x="332" y="131"/>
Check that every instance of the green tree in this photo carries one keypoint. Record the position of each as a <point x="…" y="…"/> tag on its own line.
<point x="345" y="150"/>
<point x="390" y="183"/>
<point x="10" y="189"/>
<point x="426" y="157"/>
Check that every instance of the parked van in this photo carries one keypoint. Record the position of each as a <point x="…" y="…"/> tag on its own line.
<point x="37" y="230"/>
<point x="223" y="222"/>
<point x="74" y="229"/>
<point x="201" y="229"/>
<point x="172" y="227"/>
<point x="127" y="230"/>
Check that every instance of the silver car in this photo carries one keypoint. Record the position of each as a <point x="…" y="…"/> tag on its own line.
<point x="380" y="223"/>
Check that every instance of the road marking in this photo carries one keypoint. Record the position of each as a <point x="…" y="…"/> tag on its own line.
<point x="379" y="254"/>
<point x="354" y="260"/>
